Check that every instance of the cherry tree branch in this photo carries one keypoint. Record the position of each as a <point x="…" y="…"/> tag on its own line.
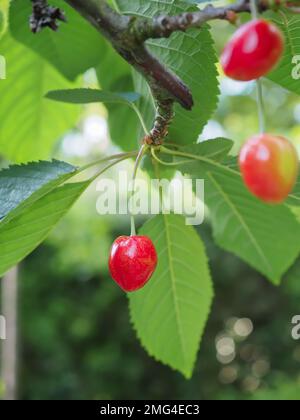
<point x="128" y="36"/>
<point x="117" y="29"/>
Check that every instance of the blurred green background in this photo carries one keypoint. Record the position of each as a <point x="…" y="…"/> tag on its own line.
<point x="75" y="340"/>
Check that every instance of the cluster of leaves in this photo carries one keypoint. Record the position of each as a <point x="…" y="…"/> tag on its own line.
<point x="171" y="312"/>
<point x="69" y="353"/>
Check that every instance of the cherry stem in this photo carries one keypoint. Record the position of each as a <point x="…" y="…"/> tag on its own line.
<point x="254" y="9"/>
<point x="136" y="167"/>
<point x="199" y="158"/>
<point x="162" y="162"/>
<point x="109" y="158"/>
<point x="141" y="118"/>
<point x="106" y="168"/>
<point x="259" y="87"/>
<point x="260" y="105"/>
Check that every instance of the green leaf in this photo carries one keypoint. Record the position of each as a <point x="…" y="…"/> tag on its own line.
<point x="146" y="104"/>
<point x="286" y="74"/>
<point x="75" y="48"/>
<point x="265" y="236"/>
<point x="115" y="75"/>
<point x="21" y="235"/>
<point x="170" y="313"/>
<point x="87" y="96"/>
<point x="292" y="276"/>
<point x="4" y="8"/>
<point x="124" y="135"/>
<point x="21" y="185"/>
<point x="216" y="149"/>
<point x="30" y="125"/>
<point x="111" y="69"/>
<point x="192" y="57"/>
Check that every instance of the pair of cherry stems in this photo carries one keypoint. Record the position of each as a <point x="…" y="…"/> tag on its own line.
<point x="189" y="157"/>
<point x="144" y="148"/>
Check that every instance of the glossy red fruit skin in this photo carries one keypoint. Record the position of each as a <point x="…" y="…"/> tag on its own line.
<point x="253" y="51"/>
<point x="132" y="262"/>
<point x="269" y="166"/>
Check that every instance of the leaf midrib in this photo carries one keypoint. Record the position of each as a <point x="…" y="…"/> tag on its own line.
<point x="173" y="283"/>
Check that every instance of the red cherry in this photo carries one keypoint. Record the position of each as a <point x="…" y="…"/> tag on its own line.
<point x="253" y="51"/>
<point x="132" y="262"/>
<point x="269" y="165"/>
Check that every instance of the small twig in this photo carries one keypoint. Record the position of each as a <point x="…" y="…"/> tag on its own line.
<point x="163" y="26"/>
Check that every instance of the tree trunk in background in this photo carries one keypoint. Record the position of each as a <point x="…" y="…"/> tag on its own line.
<point x="9" y="346"/>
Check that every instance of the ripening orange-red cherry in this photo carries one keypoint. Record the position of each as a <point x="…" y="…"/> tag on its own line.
<point x="270" y="166"/>
<point x="253" y="51"/>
